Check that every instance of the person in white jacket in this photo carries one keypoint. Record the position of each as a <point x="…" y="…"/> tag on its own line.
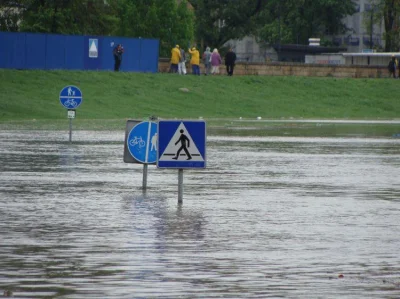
<point x="182" y="63"/>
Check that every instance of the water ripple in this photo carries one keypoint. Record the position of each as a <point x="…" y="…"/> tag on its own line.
<point x="271" y="217"/>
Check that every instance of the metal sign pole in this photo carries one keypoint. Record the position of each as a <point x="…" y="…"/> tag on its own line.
<point x="144" y="184"/>
<point x="70" y="130"/>
<point x="188" y="134"/>
<point x="180" y="186"/>
<point x="70" y="98"/>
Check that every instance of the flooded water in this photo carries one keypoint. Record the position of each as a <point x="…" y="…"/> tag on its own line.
<point x="270" y="217"/>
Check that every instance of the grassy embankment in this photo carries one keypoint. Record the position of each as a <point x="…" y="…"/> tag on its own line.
<point x="30" y="99"/>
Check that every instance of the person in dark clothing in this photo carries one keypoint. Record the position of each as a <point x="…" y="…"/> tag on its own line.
<point x="392" y="67"/>
<point x="230" y="59"/>
<point x="117" y="52"/>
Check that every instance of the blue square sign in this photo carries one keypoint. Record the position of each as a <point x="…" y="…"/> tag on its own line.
<point x="181" y="144"/>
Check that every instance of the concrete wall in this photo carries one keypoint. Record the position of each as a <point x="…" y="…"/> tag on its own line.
<point x="296" y="69"/>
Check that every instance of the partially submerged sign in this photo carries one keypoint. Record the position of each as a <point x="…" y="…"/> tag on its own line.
<point x="140" y="142"/>
<point x="70" y="98"/>
<point x="181" y="144"/>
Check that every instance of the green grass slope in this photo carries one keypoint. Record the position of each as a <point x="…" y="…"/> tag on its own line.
<point x="27" y="95"/>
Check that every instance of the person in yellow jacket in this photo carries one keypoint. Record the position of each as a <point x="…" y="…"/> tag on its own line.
<point x="195" y="61"/>
<point x="175" y="57"/>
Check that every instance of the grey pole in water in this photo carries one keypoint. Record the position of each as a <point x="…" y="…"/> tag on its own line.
<point x="180" y="186"/>
<point x="144" y="184"/>
<point x="145" y="167"/>
<point x="70" y="130"/>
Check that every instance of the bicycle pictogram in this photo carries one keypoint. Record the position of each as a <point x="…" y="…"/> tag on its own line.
<point x="70" y="103"/>
<point x="137" y="141"/>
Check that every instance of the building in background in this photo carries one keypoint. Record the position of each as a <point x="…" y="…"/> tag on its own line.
<point x="360" y="37"/>
<point x="363" y="35"/>
<point x="249" y="50"/>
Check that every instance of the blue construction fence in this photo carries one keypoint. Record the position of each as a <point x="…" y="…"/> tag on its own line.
<point x="20" y="50"/>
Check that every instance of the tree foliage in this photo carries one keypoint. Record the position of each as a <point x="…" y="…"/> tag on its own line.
<point x="166" y="20"/>
<point x="391" y="13"/>
<point x="210" y="23"/>
<point x="371" y="18"/>
<point x="287" y="21"/>
<point x="10" y="14"/>
<point x="218" y="21"/>
<point x="62" y="16"/>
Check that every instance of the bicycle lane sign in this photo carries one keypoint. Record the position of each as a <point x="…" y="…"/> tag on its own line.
<point x="70" y="97"/>
<point x="142" y="142"/>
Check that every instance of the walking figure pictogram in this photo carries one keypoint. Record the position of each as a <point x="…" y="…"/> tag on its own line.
<point x="183" y="139"/>
<point x="154" y="142"/>
<point x="71" y="92"/>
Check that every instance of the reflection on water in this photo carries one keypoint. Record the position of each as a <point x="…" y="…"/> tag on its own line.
<point x="271" y="217"/>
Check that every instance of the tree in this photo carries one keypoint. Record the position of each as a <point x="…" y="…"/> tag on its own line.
<point x="10" y="14"/>
<point x="186" y="28"/>
<point x="286" y="21"/>
<point x="391" y="11"/>
<point x="371" y="17"/>
<point x="218" y="21"/>
<point x="63" y="16"/>
<point x="302" y="19"/>
<point x="166" y="20"/>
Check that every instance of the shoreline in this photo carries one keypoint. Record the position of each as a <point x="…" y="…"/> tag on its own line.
<point x="233" y="127"/>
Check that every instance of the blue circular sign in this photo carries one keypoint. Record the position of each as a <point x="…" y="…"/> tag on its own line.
<point x="70" y="97"/>
<point x="142" y="142"/>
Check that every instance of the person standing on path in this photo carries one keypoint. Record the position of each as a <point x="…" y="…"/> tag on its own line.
<point x="117" y="52"/>
<point x="230" y="59"/>
<point x="182" y="63"/>
<point x="183" y="139"/>
<point x="215" y="62"/>
<point x="392" y="67"/>
<point x="175" y="57"/>
<point x="207" y="61"/>
<point x="195" y="61"/>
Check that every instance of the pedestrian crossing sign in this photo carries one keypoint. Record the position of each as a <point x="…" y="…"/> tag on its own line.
<point x="93" y="48"/>
<point x="181" y="144"/>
